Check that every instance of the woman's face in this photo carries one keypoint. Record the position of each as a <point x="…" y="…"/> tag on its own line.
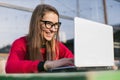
<point x="49" y="25"/>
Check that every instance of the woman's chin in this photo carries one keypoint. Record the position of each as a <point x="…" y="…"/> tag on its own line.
<point x="48" y="39"/>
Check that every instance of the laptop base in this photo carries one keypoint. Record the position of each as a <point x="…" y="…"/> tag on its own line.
<point x="79" y="69"/>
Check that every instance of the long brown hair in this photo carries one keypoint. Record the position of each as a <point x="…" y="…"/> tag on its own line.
<point x="35" y="38"/>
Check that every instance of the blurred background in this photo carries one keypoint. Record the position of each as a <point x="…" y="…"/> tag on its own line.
<point x="15" y="18"/>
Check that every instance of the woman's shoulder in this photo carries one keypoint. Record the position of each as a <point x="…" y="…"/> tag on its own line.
<point x="20" y="40"/>
<point x="61" y="44"/>
<point x="23" y="38"/>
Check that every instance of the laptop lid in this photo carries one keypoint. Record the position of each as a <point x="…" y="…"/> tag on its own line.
<point x="93" y="43"/>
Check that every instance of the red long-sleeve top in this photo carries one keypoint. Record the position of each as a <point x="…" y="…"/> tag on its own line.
<point x="18" y="63"/>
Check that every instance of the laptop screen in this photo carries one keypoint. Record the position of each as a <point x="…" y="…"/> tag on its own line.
<point x="93" y="43"/>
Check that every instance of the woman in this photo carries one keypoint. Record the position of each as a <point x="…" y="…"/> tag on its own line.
<point x="40" y="50"/>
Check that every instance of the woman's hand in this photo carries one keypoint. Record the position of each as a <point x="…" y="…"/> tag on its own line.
<point x="58" y="63"/>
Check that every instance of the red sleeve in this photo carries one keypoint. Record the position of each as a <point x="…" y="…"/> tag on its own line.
<point x="65" y="52"/>
<point x="17" y="62"/>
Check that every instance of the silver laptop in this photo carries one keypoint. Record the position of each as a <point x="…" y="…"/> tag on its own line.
<point x="93" y="46"/>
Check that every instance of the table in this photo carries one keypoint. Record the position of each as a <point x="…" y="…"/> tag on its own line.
<point x="92" y="75"/>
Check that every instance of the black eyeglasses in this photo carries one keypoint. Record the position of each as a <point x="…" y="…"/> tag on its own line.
<point x="49" y="24"/>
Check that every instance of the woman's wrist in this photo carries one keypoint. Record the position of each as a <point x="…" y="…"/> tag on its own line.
<point x="45" y="66"/>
